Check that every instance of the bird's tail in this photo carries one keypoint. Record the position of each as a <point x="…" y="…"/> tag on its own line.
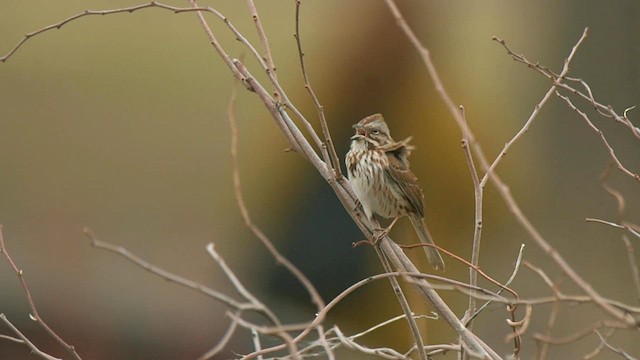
<point x="433" y="255"/>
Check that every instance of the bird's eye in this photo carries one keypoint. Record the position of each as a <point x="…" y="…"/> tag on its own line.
<point x="375" y="132"/>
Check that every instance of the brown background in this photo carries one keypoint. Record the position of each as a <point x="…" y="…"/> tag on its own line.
<point x="118" y="123"/>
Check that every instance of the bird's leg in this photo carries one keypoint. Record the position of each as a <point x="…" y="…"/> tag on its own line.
<point x="378" y="234"/>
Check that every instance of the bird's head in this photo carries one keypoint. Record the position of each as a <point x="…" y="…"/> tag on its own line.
<point x="372" y="129"/>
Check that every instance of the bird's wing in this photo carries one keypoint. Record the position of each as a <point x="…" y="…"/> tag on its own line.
<point x="398" y="171"/>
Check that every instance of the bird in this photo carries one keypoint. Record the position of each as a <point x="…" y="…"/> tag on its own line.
<point x="379" y="174"/>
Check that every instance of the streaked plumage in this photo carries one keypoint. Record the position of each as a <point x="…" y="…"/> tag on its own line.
<point x="379" y="174"/>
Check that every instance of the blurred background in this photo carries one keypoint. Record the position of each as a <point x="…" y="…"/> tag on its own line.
<point x="119" y="123"/>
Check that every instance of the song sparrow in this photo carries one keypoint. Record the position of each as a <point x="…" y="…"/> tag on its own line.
<point x="380" y="177"/>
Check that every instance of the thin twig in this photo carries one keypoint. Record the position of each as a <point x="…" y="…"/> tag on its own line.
<point x="193" y="285"/>
<point x="389" y="321"/>
<point x="384" y="353"/>
<point x="333" y="156"/>
<point x="580" y="334"/>
<point x="85" y="13"/>
<point x="476" y="268"/>
<point x="601" y="346"/>
<point x="617" y="195"/>
<point x="604" y="110"/>
<point x="237" y="186"/>
<point x="11" y="338"/>
<point x="280" y="259"/>
<point x="536" y="110"/>
<point x="599" y="132"/>
<point x="471" y="341"/>
<point x="338" y="340"/>
<point x="404" y="304"/>
<point x="502" y="188"/>
<point x="35" y="315"/>
<point x="299" y="142"/>
<point x="477" y="229"/>
<point x="271" y="67"/>
<point x="516" y="268"/>
<point x="544" y="346"/>
<point x="233" y="325"/>
<point x="633" y="264"/>
<point x="306" y="328"/>
<point x="237" y="284"/>
<point x="616" y="350"/>
<point x="24" y="340"/>
<point x="295" y="142"/>
<point x="258" y="305"/>
<point x="620" y="201"/>
<point x="256" y="342"/>
<point x="624" y="226"/>
<point x="345" y="195"/>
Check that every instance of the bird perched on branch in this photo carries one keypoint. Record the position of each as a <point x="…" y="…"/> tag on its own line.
<point x="379" y="174"/>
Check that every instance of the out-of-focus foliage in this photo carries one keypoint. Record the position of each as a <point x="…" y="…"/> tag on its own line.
<point x="118" y="122"/>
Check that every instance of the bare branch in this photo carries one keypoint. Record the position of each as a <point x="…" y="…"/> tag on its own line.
<point x="616" y="350"/>
<point x="620" y="201"/>
<point x="404" y="304"/>
<point x="604" y="110"/>
<point x="477" y="230"/>
<point x="499" y="184"/>
<point x="599" y="132"/>
<point x="256" y="342"/>
<point x="35" y="315"/>
<point x="223" y="341"/>
<point x="633" y="264"/>
<point x="271" y="67"/>
<point x="399" y="260"/>
<point x="323" y="157"/>
<point x="280" y="259"/>
<point x="544" y="346"/>
<point x="24" y="340"/>
<point x="86" y="13"/>
<point x="476" y="268"/>
<point x="11" y="338"/>
<point x="624" y="226"/>
<point x="384" y="353"/>
<point x="601" y="346"/>
<point x="543" y="243"/>
<point x="577" y="335"/>
<point x="536" y="110"/>
<point x="333" y="156"/>
<point x="457" y="285"/>
<point x="122" y="251"/>
<point x="516" y="268"/>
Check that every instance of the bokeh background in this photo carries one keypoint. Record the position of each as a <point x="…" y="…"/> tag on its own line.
<point x="119" y="123"/>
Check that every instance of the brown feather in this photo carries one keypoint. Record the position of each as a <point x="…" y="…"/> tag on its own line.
<point x="399" y="172"/>
<point x="378" y="169"/>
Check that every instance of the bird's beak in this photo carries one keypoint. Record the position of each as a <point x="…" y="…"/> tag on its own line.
<point x="360" y="133"/>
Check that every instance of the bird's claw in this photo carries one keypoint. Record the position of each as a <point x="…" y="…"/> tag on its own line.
<point x="379" y="234"/>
